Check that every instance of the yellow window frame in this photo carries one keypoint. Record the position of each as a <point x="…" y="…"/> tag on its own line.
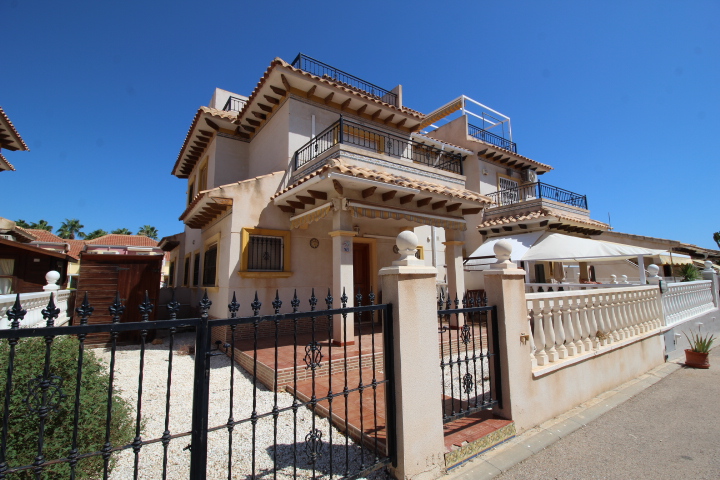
<point x="245" y="251"/>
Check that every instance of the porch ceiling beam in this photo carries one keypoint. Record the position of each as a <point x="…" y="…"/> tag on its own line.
<point x="212" y="124"/>
<point x="294" y="204"/>
<point x="286" y="208"/>
<point x="337" y="186"/>
<point x="278" y="91"/>
<point x="362" y="109"/>
<point x="285" y="83"/>
<point x="252" y="122"/>
<point x="389" y="119"/>
<point x="241" y="134"/>
<point x="329" y="98"/>
<point x="368" y="192"/>
<point x="317" y="194"/>
<point x="249" y="128"/>
<point x="401" y="123"/>
<point x="507" y="228"/>
<point x="310" y="92"/>
<point x="406" y="199"/>
<point x="376" y="114"/>
<point x="345" y="104"/>
<point x="555" y="225"/>
<point x="495" y="230"/>
<point x="306" y="200"/>
<point x="266" y="108"/>
<point x="424" y="201"/>
<point x="544" y="222"/>
<point x="389" y="195"/>
<point x="439" y="204"/>
<point x="471" y="211"/>
<point x="482" y="152"/>
<point x="523" y="226"/>
<point x="206" y="133"/>
<point x="259" y="115"/>
<point x="510" y="164"/>
<point x="272" y="100"/>
<point x="452" y="207"/>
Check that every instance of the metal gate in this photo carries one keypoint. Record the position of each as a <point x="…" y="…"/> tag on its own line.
<point x="305" y="404"/>
<point x="469" y="362"/>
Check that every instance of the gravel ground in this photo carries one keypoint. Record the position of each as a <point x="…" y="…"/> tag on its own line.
<point x="153" y="412"/>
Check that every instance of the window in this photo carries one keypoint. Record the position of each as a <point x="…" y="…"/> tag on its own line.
<point x="510" y="191"/>
<point x="191" y="192"/>
<point x="210" y="266"/>
<point x="420" y="253"/>
<point x="186" y="272"/>
<point x="171" y="274"/>
<point x="202" y="177"/>
<point x="265" y="253"/>
<point x="7" y="265"/>
<point x="196" y="269"/>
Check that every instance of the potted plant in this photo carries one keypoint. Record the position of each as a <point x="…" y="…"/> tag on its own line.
<point x="697" y="355"/>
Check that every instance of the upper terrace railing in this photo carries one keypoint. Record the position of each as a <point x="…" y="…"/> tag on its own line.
<point x="347" y="132"/>
<point x="685" y="300"/>
<point x="538" y="190"/>
<point x="491" y="138"/>
<point x="234" y="104"/>
<point x="316" y="67"/>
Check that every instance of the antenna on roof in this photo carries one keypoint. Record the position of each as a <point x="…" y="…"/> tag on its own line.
<point x="610" y="224"/>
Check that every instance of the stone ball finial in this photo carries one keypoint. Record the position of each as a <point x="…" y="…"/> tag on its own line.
<point x="502" y="250"/>
<point x="653" y="269"/>
<point x="52" y="278"/>
<point x="407" y="243"/>
<point x="708" y="266"/>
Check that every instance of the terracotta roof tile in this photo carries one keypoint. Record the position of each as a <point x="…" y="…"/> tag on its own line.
<point x="5" y="121"/>
<point x="123" y="240"/>
<point x="211" y="111"/>
<point x="76" y="246"/>
<point x="541" y="213"/>
<point x="360" y="172"/>
<point x="4" y="161"/>
<point x="45" y="236"/>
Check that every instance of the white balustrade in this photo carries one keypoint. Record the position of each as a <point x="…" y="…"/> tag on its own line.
<point x="686" y="300"/>
<point x="34" y="303"/>
<point x="570" y="323"/>
<point x="566" y="287"/>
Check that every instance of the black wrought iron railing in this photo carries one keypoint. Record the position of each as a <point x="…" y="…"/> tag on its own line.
<point x="491" y="138"/>
<point x="538" y="190"/>
<point x="316" y="67"/>
<point x="348" y="132"/>
<point x="234" y="104"/>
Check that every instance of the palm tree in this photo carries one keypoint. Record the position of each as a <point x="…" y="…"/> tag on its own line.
<point x="42" y="225"/>
<point x="95" y="234"/>
<point x="121" y="231"/>
<point x="148" y="231"/>
<point x="22" y="223"/>
<point x="70" y="228"/>
<point x="716" y="237"/>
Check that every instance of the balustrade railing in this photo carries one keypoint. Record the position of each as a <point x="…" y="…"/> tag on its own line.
<point x="568" y="324"/>
<point x="34" y="304"/>
<point x="348" y="132"/>
<point x="685" y="300"/>
<point x="234" y="104"/>
<point x="538" y="190"/>
<point x="566" y="287"/>
<point x="320" y="69"/>
<point x="491" y="138"/>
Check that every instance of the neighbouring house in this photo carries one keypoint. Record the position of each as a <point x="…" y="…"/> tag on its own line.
<point x="10" y="139"/>
<point x="24" y="264"/>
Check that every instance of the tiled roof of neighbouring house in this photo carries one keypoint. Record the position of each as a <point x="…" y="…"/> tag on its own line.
<point x="540" y="213"/>
<point x="123" y="240"/>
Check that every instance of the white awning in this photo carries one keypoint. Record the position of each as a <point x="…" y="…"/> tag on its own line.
<point x="556" y="247"/>
<point x="521" y="242"/>
<point x="675" y="259"/>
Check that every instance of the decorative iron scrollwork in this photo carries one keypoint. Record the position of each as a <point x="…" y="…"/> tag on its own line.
<point x="468" y="383"/>
<point x="54" y="395"/>
<point x="465" y="334"/>
<point x="313" y="355"/>
<point x="313" y="445"/>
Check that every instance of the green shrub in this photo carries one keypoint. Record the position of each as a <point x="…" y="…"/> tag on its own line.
<point x="23" y="428"/>
<point x="689" y="272"/>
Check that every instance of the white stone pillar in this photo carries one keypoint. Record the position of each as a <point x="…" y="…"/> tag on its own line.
<point x="641" y="266"/>
<point x="342" y="268"/>
<point x="52" y="278"/>
<point x="709" y="274"/>
<point x="409" y="286"/>
<point x="455" y="273"/>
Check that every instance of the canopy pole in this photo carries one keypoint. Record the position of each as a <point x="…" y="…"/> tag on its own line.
<point x="641" y="266"/>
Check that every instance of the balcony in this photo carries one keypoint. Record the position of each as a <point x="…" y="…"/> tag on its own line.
<point x="234" y="104"/>
<point x="323" y="70"/>
<point x="538" y="191"/>
<point x="347" y="132"/>
<point x="491" y="138"/>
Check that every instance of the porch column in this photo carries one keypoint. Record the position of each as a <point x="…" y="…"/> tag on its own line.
<point x="454" y="241"/>
<point x="342" y="235"/>
<point x="641" y="266"/>
<point x="409" y="286"/>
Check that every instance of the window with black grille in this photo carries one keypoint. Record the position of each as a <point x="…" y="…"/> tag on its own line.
<point x="210" y="266"/>
<point x="196" y="270"/>
<point x="265" y="253"/>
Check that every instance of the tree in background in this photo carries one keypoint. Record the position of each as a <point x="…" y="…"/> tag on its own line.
<point x="22" y="223"/>
<point x="96" y="234"/>
<point x="69" y="228"/>
<point x="41" y="225"/>
<point x="148" y="231"/>
<point x="716" y="237"/>
<point x="121" y="231"/>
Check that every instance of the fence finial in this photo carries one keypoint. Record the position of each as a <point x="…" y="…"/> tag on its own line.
<point x="503" y="250"/>
<point x="407" y="243"/>
<point x="52" y="278"/>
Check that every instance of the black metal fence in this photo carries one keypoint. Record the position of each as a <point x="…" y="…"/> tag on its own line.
<point x="348" y="132"/>
<point x="320" y="69"/>
<point x="538" y="190"/>
<point x="468" y="356"/>
<point x="327" y="413"/>
<point x="491" y="138"/>
<point x="234" y="104"/>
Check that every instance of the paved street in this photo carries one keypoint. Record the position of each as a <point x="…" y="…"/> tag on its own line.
<point x="659" y="428"/>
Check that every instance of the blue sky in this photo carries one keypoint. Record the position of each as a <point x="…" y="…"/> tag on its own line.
<point x="621" y="97"/>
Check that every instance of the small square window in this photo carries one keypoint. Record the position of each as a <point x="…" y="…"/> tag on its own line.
<point x="265" y="253"/>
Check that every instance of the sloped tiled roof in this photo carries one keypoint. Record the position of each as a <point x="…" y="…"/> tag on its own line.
<point x="123" y="240"/>
<point x="392" y="179"/>
<point x="7" y="126"/>
<point x="540" y="213"/>
<point x="5" y="164"/>
<point x="45" y="236"/>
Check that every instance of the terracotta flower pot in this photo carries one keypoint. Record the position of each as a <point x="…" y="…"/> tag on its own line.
<point x="696" y="359"/>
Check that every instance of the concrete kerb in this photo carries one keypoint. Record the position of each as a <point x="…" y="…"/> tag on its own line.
<point x="508" y="454"/>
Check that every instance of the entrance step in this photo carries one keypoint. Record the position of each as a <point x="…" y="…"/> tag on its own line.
<point x="470" y="436"/>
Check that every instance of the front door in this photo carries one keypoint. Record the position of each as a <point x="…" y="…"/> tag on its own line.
<point x="361" y="270"/>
